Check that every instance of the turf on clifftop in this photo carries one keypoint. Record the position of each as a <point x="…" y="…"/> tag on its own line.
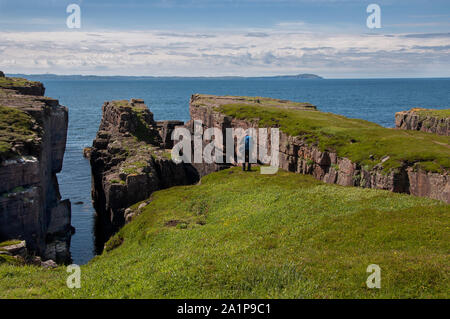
<point x="440" y="114"/>
<point x="15" y="127"/>
<point x="240" y="234"/>
<point x="8" y="83"/>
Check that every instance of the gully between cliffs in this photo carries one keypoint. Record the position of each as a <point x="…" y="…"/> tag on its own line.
<point x="130" y="159"/>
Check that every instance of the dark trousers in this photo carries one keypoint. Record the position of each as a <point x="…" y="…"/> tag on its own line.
<point x="249" y="165"/>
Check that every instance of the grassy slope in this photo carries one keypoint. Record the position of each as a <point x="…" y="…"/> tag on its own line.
<point x="352" y="138"/>
<point x="15" y="126"/>
<point x="263" y="236"/>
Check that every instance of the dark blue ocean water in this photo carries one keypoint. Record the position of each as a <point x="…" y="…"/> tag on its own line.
<point x="375" y="100"/>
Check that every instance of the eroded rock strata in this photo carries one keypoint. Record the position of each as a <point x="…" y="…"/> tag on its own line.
<point x="165" y="129"/>
<point x="130" y="158"/>
<point x="33" y="131"/>
<point x="129" y="161"/>
<point x="426" y="120"/>
<point x="300" y="156"/>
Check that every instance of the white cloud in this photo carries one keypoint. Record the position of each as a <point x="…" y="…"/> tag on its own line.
<point x="291" y="24"/>
<point x="249" y="52"/>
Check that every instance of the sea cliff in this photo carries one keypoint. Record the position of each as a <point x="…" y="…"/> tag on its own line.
<point x="33" y="131"/>
<point x="130" y="156"/>
<point x="336" y="149"/>
<point x="129" y="161"/>
<point x="426" y="120"/>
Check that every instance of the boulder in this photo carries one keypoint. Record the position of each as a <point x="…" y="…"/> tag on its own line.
<point x="49" y="264"/>
<point x="87" y="152"/>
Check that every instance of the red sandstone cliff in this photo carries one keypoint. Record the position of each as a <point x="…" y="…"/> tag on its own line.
<point x="418" y="120"/>
<point x="129" y="162"/>
<point x="297" y="156"/>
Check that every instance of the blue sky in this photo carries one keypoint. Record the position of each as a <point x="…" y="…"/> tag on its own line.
<point x="227" y="37"/>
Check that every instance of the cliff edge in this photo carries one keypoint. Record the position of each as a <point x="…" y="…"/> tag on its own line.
<point x="426" y="120"/>
<point x="33" y="131"/>
<point x="336" y="149"/>
<point x="129" y="162"/>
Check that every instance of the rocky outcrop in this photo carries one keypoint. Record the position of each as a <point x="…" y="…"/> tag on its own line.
<point x="33" y="134"/>
<point x="17" y="250"/>
<point x="87" y="152"/>
<point x="297" y="155"/>
<point x="14" y="248"/>
<point x="426" y="120"/>
<point x="21" y="86"/>
<point x="128" y="163"/>
<point x="165" y="129"/>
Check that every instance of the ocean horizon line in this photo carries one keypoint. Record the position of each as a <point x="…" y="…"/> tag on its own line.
<point x="219" y="77"/>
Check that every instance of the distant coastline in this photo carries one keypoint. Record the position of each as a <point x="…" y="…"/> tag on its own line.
<point x="304" y="76"/>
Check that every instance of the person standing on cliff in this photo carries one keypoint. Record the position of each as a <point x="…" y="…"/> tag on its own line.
<point x="247" y="141"/>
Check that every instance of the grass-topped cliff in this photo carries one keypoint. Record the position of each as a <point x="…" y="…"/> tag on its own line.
<point x="17" y="131"/>
<point x="128" y="162"/>
<point x="426" y="120"/>
<point x="440" y="114"/>
<point x="33" y="131"/>
<point x="16" y="127"/>
<point x="361" y="141"/>
<point x="7" y="82"/>
<point x="23" y="86"/>
<point x="247" y="235"/>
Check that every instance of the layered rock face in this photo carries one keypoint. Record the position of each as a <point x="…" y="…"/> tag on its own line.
<point x="165" y="129"/>
<point x="417" y="119"/>
<point x="297" y="155"/>
<point x="33" y="134"/>
<point x="128" y="163"/>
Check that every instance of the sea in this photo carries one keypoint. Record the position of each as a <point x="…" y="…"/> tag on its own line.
<point x="374" y="100"/>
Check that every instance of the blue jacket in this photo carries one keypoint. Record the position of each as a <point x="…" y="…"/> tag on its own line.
<point x="247" y="143"/>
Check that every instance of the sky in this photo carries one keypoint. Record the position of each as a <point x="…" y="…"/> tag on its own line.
<point x="227" y="37"/>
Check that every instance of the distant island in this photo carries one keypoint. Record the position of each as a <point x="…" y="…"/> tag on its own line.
<point x="41" y="77"/>
<point x="296" y="77"/>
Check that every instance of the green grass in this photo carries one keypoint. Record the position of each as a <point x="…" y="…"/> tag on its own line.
<point x="15" y="126"/>
<point x="114" y="242"/>
<point x="267" y="101"/>
<point x="117" y="181"/>
<point x="440" y="114"/>
<point x="247" y="235"/>
<point x="9" y="260"/>
<point x="133" y="167"/>
<point x="355" y="139"/>
<point x="8" y="82"/>
<point x="9" y="243"/>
